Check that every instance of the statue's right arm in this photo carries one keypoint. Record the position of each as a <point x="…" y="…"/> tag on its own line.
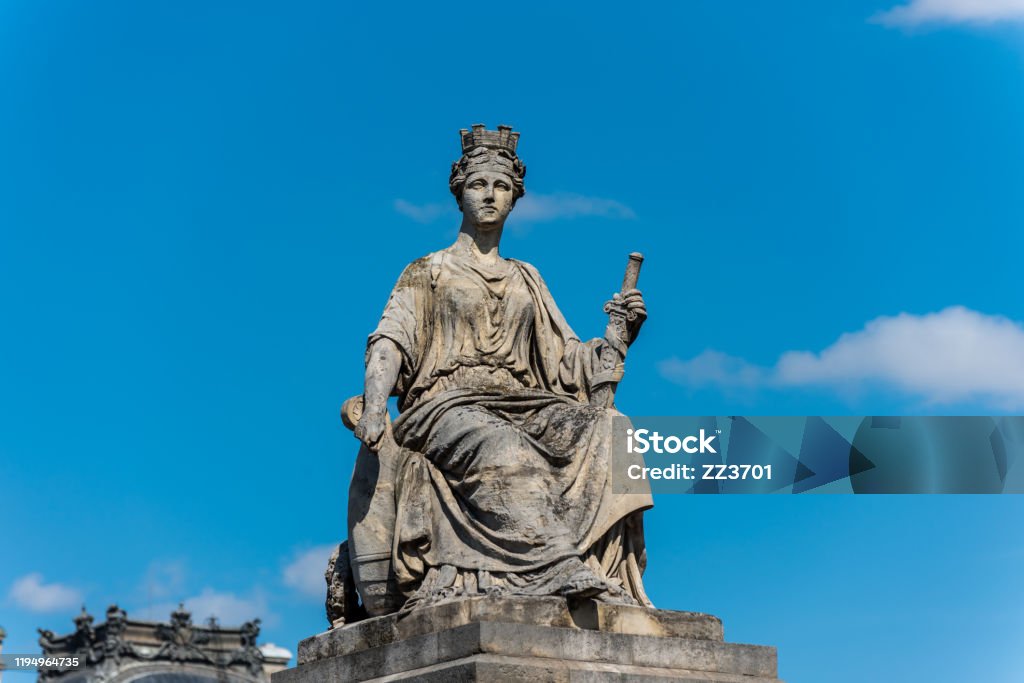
<point x="383" y="364"/>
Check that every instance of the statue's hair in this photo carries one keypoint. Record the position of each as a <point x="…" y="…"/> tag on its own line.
<point x="487" y="159"/>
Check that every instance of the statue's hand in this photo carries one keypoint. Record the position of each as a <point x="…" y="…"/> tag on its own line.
<point x="635" y="311"/>
<point x="372" y="425"/>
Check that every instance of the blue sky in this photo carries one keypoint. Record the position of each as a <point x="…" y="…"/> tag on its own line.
<point x="203" y="207"/>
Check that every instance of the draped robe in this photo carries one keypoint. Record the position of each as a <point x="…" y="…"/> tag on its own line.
<point x="506" y="487"/>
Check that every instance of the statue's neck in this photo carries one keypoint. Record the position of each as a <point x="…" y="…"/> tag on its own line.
<point x="481" y="244"/>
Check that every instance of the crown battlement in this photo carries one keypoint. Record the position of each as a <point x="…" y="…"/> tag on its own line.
<point x="479" y="136"/>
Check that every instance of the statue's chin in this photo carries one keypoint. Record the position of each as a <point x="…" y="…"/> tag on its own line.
<point x="489" y="224"/>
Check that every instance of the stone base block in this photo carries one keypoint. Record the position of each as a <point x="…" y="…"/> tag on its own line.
<point x="531" y="639"/>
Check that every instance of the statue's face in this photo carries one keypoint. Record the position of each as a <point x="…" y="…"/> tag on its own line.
<point x="487" y="198"/>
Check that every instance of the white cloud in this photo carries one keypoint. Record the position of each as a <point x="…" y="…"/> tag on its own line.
<point x="532" y="208"/>
<point x="164" y="585"/>
<point x="952" y="12"/>
<point x="29" y="592"/>
<point x="425" y="213"/>
<point x="548" y="207"/>
<point x="712" y="368"/>
<point x="954" y="355"/>
<point x="305" y="573"/>
<point x="272" y="650"/>
<point x="164" y="579"/>
<point x="229" y="608"/>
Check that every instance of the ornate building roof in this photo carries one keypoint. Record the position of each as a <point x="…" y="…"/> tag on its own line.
<point x="122" y="650"/>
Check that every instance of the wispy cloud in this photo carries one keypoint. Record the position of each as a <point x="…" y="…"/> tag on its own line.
<point x="230" y="609"/>
<point x="954" y="355"/>
<point x="532" y="208"/>
<point x="305" y="572"/>
<point x="548" y="207"/>
<point x="164" y="579"/>
<point x="918" y="12"/>
<point x="425" y="213"/>
<point x="30" y="593"/>
<point x="713" y="368"/>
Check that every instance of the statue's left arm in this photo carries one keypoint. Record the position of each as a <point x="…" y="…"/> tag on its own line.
<point x="626" y="314"/>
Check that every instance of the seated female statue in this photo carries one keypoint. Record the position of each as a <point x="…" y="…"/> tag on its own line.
<point x="503" y="483"/>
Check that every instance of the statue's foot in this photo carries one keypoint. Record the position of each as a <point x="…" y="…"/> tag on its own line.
<point x="582" y="583"/>
<point x="614" y="595"/>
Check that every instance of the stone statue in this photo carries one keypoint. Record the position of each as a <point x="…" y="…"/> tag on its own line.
<point x="495" y="479"/>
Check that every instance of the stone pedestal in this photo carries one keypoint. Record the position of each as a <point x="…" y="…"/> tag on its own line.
<point x="531" y="639"/>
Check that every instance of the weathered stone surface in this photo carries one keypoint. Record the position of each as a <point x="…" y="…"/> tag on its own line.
<point x="542" y="639"/>
<point x="498" y="669"/>
<point x="547" y="611"/>
<point x="496" y="477"/>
